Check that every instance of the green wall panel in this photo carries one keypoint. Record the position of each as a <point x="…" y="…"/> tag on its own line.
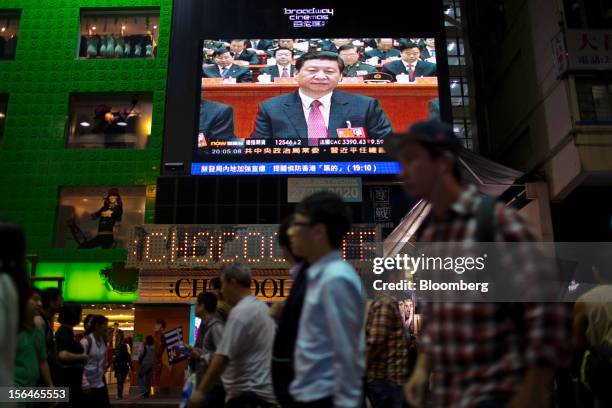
<point x="83" y="282"/>
<point x="34" y="160"/>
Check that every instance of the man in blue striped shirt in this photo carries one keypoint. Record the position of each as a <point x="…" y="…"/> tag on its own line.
<point x="330" y="347"/>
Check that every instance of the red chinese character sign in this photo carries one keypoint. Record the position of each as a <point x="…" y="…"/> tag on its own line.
<point x="588" y="50"/>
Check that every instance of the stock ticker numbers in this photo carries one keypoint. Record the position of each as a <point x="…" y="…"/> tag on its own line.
<point x="176" y="246"/>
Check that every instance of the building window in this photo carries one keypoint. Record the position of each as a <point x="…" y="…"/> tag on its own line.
<point x="595" y="100"/>
<point x="452" y="12"/>
<point x="459" y="92"/>
<point x="3" y="104"/>
<point x="110" y="121"/>
<point x="456" y="52"/>
<point x="591" y="14"/>
<point x="98" y="217"/>
<point x="119" y="33"/>
<point x="463" y="129"/>
<point x="9" y="32"/>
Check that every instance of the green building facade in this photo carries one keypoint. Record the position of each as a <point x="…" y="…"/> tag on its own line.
<point x="35" y="161"/>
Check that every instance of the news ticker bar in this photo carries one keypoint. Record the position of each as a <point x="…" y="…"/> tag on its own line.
<point x="345" y="168"/>
<point x="18" y="395"/>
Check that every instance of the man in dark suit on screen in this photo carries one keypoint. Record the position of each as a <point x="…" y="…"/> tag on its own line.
<point x="316" y="111"/>
<point x="283" y="67"/>
<point x="225" y="68"/>
<point x="410" y="64"/>
<point x="383" y="50"/>
<point x="243" y="56"/>
<point x="216" y="120"/>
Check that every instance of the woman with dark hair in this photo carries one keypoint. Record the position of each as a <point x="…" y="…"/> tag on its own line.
<point x="110" y="217"/>
<point x="31" y="366"/>
<point x="70" y="354"/>
<point x="87" y="324"/>
<point x="93" y="384"/>
<point x="14" y="295"/>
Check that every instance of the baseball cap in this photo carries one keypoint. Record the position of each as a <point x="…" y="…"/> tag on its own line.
<point x="432" y="132"/>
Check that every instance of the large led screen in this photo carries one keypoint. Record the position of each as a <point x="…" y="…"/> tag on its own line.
<point x="309" y="105"/>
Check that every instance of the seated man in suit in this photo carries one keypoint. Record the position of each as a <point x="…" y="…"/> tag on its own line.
<point x="352" y="66"/>
<point x="334" y="45"/>
<point x="410" y="64"/>
<point x="225" y="68"/>
<point x="429" y="50"/>
<point x="283" y="67"/>
<point x="263" y="44"/>
<point x="209" y="48"/>
<point x="317" y="110"/>
<point x="286" y="43"/>
<point x="216" y="120"/>
<point x="242" y="56"/>
<point x="384" y="50"/>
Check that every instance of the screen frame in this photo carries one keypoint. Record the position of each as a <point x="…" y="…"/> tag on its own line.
<point x="193" y="21"/>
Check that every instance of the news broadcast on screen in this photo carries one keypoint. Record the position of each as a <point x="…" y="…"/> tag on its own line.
<point x="310" y="105"/>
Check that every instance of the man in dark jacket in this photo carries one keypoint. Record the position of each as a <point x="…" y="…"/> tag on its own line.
<point x="317" y="110"/>
<point x="410" y="64"/>
<point x="242" y="54"/>
<point x="225" y="68"/>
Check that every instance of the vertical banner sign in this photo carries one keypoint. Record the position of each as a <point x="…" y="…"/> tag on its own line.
<point x="382" y="207"/>
<point x="174" y="345"/>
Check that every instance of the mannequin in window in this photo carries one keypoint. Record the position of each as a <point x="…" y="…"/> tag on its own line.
<point x="110" y="215"/>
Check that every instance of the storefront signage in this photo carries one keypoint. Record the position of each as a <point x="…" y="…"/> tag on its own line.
<point x="213" y="246"/>
<point x="267" y="288"/>
<point x="158" y="286"/>
<point x="349" y="188"/>
<point x="586" y="50"/>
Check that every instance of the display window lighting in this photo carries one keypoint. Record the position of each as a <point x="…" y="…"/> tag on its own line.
<point x="85" y="124"/>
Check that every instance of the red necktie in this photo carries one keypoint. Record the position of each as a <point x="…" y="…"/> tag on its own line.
<point x="316" y="124"/>
<point x="412" y="73"/>
<point x="285" y="73"/>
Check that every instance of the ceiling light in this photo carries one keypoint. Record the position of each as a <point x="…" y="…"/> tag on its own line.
<point x="93" y="28"/>
<point x="2" y="115"/>
<point x="122" y="123"/>
<point x="454" y="84"/>
<point x="155" y="27"/>
<point x="451" y="46"/>
<point x="123" y="27"/>
<point x="85" y="124"/>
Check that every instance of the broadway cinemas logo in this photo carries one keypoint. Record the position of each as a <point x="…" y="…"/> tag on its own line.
<point x="310" y="17"/>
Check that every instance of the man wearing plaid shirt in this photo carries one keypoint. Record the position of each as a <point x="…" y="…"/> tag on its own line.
<point x="481" y="355"/>
<point x="386" y="353"/>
